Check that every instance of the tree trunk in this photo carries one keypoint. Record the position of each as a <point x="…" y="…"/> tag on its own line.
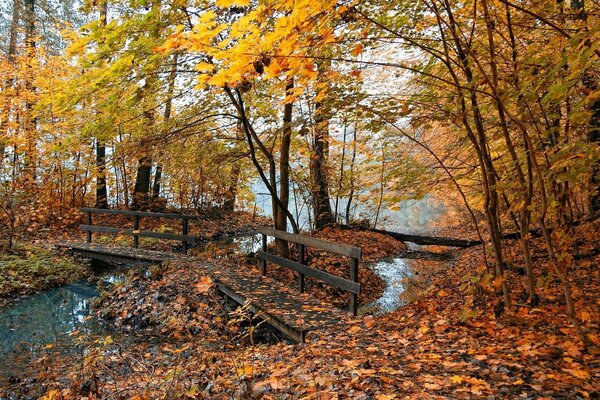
<point x="284" y="169"/>
<point x="101" y="189"/>
<point x="6" y="108"/>
<point x="167" y="117"/>
<point x="352" y="162"/>
<point x="142" y="183"/>
<point x="30" y="121"/>
<point x="231" y="192"/>
<point x="318" y="161"/>
<point x="253" y="140"/>
<point x="590" y="83"/>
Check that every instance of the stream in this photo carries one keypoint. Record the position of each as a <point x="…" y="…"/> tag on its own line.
<point x="48" y="322"/>
<point x="51" y="321"/>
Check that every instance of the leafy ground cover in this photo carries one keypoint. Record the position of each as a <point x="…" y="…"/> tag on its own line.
<point x="28" y="269"/>
<point x="451" y="342"/>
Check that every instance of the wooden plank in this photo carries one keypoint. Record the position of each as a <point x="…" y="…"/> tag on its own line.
<point x="138" y="213"/>
<point x="353" y="299"/>
<point x="136" y="231"/>
<point x="345" y="284"/>
<point x="118" y="254"/>
<point x="89" y="222"/>
<point x="336" y="248"/>
<point x="115" y="258"/>
<point x="157" y="235"/>
<point x="300" y="274"/>
<point x="101" y="229"/>
<point x="295" y="334"/>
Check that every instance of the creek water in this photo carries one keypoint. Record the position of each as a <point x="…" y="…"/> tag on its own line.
<point x="393" y="272"/>
<point x="44" y="323"/>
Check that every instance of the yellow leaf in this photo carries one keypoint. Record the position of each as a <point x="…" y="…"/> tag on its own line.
<point x="229" y="3"/>
<point x="51" y="395"/>
<point x="456" y="379"/>
<point x="204" y="67"/>
<point x="192" y="392"/>
<point x="245" y="370"/>
<point x="354" y="329"/>
<point x="578" y="373"/>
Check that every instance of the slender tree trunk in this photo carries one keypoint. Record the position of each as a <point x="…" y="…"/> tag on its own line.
<point x="253" y="140"/>
<point x="284" y="168"/>
<point x="236" y="170"/>
<point x="352" y="180"/>
<point x="381" y="187"/>
<point x="6" y="107"/>
<point x="341" y="177"/>
<point x="167" y="117"/>
<point x="318" y="161"/>
<point x="101" y="188"/>
<point x="157" y="181"/>
<point x="523" y="187"/>
<point x="479" y="140"/>
<point x="30" y="120"/>
<point x="591" y="84"/>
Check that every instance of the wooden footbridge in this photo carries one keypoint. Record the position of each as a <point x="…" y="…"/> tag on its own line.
<point x="283" y="308"/>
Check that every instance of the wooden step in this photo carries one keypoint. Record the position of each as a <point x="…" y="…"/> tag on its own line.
<point x="285" y="309"/>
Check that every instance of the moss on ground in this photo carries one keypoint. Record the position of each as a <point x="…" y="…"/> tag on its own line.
<point x="28" y="269"/>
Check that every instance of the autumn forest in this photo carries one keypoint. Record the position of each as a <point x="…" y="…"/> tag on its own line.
<point x="299" y="199"/>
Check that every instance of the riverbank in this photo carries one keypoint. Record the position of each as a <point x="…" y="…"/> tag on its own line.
<point x="27" y="269"/>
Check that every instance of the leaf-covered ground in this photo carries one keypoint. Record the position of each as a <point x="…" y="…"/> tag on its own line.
<point x="449" y="343"/>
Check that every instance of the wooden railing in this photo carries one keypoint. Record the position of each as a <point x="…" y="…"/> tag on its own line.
<point x="185" y="238"/>
<point x="350" y="285"/>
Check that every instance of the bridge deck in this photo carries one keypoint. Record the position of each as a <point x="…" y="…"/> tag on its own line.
<point x="291" y="313"/>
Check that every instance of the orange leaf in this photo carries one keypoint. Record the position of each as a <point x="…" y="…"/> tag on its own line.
<point x="204" y="284"/>
<point x="357" y="50"/>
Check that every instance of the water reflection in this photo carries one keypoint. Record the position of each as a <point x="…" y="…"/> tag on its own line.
<point x="46" y="320"/>
<point x="392" y="271"/>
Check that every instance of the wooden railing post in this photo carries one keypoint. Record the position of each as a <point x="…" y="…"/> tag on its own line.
<point x="89" y="222"/>
<point x="263" y="266"/>
<point x="303" y="262"/>
<point x="185" y="232"/>
<point x="353" y="301"/>
<point x="136" y="230"/>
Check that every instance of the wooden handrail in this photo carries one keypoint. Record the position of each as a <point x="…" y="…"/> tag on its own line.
<point x="136" y="232"/>
<point x="350" y="285"/>
<point x="138" y="213"/>
<point x="332" y="247"/>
